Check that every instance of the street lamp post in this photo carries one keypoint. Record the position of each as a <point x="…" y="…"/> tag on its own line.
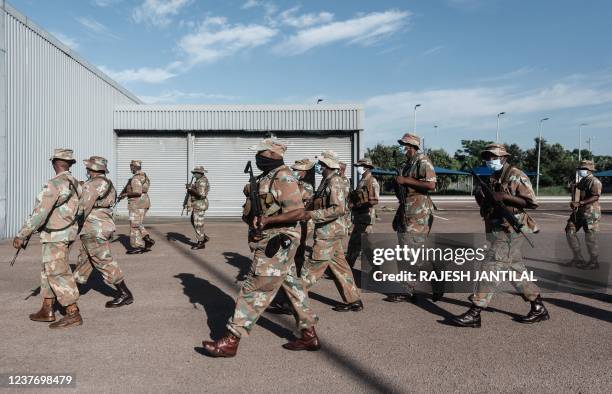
<point x="414" y="124"/>
<point x="497" y="133"/>
<point x="580" y="140"/>
<point x="539" y="152"/>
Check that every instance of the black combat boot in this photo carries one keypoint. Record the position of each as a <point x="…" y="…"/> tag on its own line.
<point x="124" y="296"/>
<point x="471" y="318"/>
<point x="537" y="313"/>
<point x="399" y="298"/>
<point x="351" y="307"/>
<point x="148" y="242"/>
<point x="309" y="341"/>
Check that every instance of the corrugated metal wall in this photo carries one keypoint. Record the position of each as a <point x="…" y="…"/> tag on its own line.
<point x="54" y="99"/>
<point x="346" y="117"/>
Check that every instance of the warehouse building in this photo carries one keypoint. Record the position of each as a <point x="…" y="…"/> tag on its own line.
<point x="51" y="97"/>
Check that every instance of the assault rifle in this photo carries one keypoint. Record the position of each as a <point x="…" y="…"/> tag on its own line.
<point x="400" y="193"/>
<point x="186" y="199"/>
<point x="500" y="208"/>
<point x="253" y="197"/>
<point x="23" y="246"/>
<point x="575" y="196"/>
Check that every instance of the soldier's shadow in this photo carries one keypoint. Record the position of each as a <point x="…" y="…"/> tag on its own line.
<point x="96" y="283"/>
<point x="172" y="236"/>
<point x="123" y="239"/>
<point x="239" y="261"/>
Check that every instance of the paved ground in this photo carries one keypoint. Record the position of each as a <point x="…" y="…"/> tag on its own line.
<point x="183" y="297"/>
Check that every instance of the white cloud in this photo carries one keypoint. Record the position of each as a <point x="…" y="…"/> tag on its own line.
<point x="105" y="3"/>
<point x="289" y="18"/>
<point x="432" y="51"/>
<point x="68" y="41"/>
<point x="520" y="72"/>
<point x="364" y="30"/>
<point x="144" y="74"/>
<point x="158" y="12"/>
<point x="215" y="38"/>
<point x="177" y="96"/>
<point x="95" y="27"/>
<point x="268" y="6"/>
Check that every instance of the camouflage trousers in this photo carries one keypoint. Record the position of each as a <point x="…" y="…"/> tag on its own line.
<point x="330" y="253"/>
<point x="504" y="255"/>
<point x="197" y="221"/>
<point x="137" y="230"/>
<point x="590" y="235"/>
<point x="354" y="246"/>
<point x="258" y="291"/>
<point x="96" y="252"/>
<point x="56" y="279"/>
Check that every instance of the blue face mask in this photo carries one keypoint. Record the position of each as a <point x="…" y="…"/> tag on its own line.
<point x="318" y="169"/>
<point x="495" y="165"/>
<point x="583" y="173"/>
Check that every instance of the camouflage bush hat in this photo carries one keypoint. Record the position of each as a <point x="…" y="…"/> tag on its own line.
<point x="198" y="170"/>
<point x="495" y="149"/>
<point x="96" y="163"/>
<point x="410" y="139"/>
<point x="303" y="165"/>
<point x="137" y="163"/>
<point x="365" y="162"/>
<point x="587" y="165"/>
<point x="271" y="145"/>
<point x="330" y="159"/>
<point x="63" y="154"/>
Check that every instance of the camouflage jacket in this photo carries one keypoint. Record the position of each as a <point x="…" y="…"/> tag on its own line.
<point x="201" y="187"/>
<point x="329" y="220"/>
<point x="347" y="210"/>
<point x="590" y="186"/>
<point x="139" y="183"/>
<point x="367" y="214"/>
<point x="512" y="181"/>
<point x="98" y="199"/>
<point x="56" y="211"/>
<point x="418" y="204"/>
<point x="307" y="192"/>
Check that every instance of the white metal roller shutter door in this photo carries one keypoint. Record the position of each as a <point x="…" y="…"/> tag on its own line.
<point x="225" y="157"/>
<point x="164" y="160"/>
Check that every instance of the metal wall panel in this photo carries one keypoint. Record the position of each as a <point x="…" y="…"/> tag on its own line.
<point x="225" y="156"/>
<point x="54" y="99"/>
<point x="164" y="160"/>
<point x="341" y="117"/>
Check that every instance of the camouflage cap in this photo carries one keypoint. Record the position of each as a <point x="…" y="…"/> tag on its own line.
<point x="410" y="139"/>
<point x="330" y="159"/>
<point x="137" y="163"/>
<point x="495" y="149"/>
<point x="303" y="165"/>
<point x="587" y="165"/>
<point x="271" y="145"/>
<point x="63" y="154"/>
<point x="365" y="162"/>
<point x="96" y="163"/>
<point x="198" y="170"/>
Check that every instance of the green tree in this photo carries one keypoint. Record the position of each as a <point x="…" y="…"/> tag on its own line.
<point x="382" y="156"/>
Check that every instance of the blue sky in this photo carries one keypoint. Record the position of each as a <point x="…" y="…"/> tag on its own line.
<point x="463" y="60"/>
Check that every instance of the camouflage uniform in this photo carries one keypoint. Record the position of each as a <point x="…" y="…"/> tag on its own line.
<point x="364" y="215"/>
<point x="199" y="203"/>
<point x="55" y="216"/>
<point x="279" y="192"/>
<point x="98" y="199"/>
<point x="347" y="219"/>
<point x="587" y="216"/>
<point x="138" y="207"/>
<point x="505" y="250"/>
<point x="329" y="208"/>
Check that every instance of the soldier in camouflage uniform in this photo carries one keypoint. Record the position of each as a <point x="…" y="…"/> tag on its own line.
<point x="136" y="191"/>
<point x="418" y="178"/>
<point x="198" y="195"/>
<point x="512" y="187"/>
<point x="586" y="214"/>
<point x="303" y="170"/>
<point x="362" y="201"/>
<point x="274" y="237"/>
<point x="97" y="200"/>
<point x="347" y="190"/>
<point x="329" y="205"/>
<point x="56" y="217"/>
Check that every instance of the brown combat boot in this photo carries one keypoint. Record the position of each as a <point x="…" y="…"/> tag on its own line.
<point x="309" y="341"/>
<point x="224" y="347"/>
<point x="46" y="312"/>
<point x="72" y="318"/>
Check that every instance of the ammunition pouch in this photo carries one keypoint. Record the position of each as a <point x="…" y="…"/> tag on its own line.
<point x="359" y="197"/>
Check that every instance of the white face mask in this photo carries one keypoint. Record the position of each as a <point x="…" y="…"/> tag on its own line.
<point x="361" y="170"/>
<point x="583" y="173"/>
<point x="495" y="165"/>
